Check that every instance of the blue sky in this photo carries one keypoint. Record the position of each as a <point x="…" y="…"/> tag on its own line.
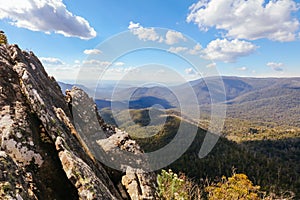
<point x="240" y="38"/>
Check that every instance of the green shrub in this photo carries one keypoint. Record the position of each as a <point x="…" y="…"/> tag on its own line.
<point x="172" y="186"/>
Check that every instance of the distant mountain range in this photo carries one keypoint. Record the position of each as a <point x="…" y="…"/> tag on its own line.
<point x="258" y="99"/>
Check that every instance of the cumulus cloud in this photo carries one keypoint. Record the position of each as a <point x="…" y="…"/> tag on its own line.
<point x="96" y="63"/>
<point x="177" y="49"/>
<point x="149" y="34"/>
<point x="173" y="37"/>
<point x="63" y="72"/>
<point x="133" y="25"/>
<point x="242" y="68"/>
<point x="144" y="34"/>
<point x="92" y="51"/>
<point x="246" y="19"/>
<point x="190" y="71"/>
<point x="228" y="51"/>
<point x="121" y="70"/>
<point x="211" y="65"/>
<point x="119" y="64"/>
<point x="46" y="16"/>
<point x="51" y="61"/>
<point x="220" y="49"/>
<point x="77" y="62"/>
<point x="196" y="50"/>
<point x="276" y="66"/>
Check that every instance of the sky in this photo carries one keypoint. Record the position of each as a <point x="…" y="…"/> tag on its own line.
<point x="145" y="40"/>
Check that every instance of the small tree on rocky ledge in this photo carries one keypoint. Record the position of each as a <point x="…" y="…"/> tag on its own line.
<point x="3" y="38"/>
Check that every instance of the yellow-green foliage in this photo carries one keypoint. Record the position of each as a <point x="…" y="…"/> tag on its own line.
<point x="172" y="186"/>
<point x="236" y="187"/>
<point x="3" y="39"/>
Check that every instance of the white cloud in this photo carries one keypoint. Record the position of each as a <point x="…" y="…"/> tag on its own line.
<point x="46" y="16"/>
<point x="173" y="37"/>
<point x="144" y="34"/>
<point x="63" y="72"/>
<point x="196" y="50"/>
<point x="247" y="19"/>
<point x="121" y="70"/>
<point x="242" y="69"/>
<point x="149" y="34"/>
<point x="119" y="64"/>
<point x="97" y="63"/>
<point x="92" y="51"/>
<point x="276" y="66"/>
<point x="51" y="61"/>
<point x="228" y="51"/>
<point x="190" y="71"/>
<point x="177" y="49"/>
<point x="133" y="25"/>
<point x="211" y="65"/>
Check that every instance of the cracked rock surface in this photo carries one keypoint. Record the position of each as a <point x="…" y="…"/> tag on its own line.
<point x="43" y="154"/>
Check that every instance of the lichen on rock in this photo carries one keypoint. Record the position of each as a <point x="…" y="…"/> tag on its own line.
<point x="44" y="152"/>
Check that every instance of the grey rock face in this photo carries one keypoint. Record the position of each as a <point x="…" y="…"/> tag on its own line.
<point x="34" y="117"/>
<point x="43" y="154"/>
<point x="110" y="144"/>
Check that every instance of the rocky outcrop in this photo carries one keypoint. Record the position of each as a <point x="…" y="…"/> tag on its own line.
<point x="28" y="129"/>
<point x="139" y="184"/>
<point x="110" y="145"/>
<point x="43" y="155"/>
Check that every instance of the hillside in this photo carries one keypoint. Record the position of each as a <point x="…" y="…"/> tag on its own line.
<point x="271" y="163"/>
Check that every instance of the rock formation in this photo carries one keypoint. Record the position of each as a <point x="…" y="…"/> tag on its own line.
<point x="43" y="154"/>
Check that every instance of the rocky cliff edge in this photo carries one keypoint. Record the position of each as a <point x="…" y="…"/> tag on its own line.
<point x="42" y="155"/>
